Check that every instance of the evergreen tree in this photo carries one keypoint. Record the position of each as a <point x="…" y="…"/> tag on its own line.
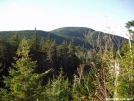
<point x="58" y="89"/>
<point x="73" y="59"/>
<point x="42" y="44"/>
<point x="52" y="54"/>
<point x="14" y="42"/>
<point x="82" y="54"/>
<point x="4" y="50"/>
<point x="4" y="60"/>
<point x="63" y="49"/>
<point x="23" y="84"/>
<point x="63" y="56"/>
<point x="71" y="47"/>
<point x="34" y="42"/>
<point x="15" y="39"/>
<point x="6" y="56"/>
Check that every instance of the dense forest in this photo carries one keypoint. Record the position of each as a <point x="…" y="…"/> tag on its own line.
<point x="38" y="69"/>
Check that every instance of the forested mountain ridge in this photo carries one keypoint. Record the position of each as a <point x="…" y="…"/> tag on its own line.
<point x="42" y="70"/>
<point x="60" y="34"/>
<point x="29" y="33"/>
<point x="85" y="35"/>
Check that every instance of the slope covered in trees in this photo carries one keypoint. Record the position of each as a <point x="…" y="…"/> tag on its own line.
<point x="39" y="69"/>
<point x="60" y="34"/>
<point x="29" y="33"/>
<point x="83" y="35"/>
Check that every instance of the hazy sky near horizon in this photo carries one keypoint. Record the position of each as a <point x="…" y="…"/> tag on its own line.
<point x="51" y="14"/>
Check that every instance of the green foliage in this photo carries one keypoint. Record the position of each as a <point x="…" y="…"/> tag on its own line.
<point x="22" y="83"/>
<point x="129" y="25"/>
<point x="71" y="47"/>
<point x="34" y="41"/>
<point x="4" y="50"/>
<point x="83" y="54"/>
<point x="58" y="89"/>
<point x="126" y="77"/>
<point x="14" y="42"/>
<point x="84" y="89"/>
<point x="126" y="84"/>
<point x="63" y="49"/>
<point x="60" y="34"/>
<point x="42" y="44"/>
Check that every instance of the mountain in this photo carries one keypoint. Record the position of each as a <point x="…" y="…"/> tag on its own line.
<point x="82" y="35"/>
<point x="29" y="33"/>
<point x="65" y="33"/>
<point x="73" y="32"/>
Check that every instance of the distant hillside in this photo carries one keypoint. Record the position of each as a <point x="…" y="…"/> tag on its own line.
<point x="71" y="31"/>
<point x="60" y="34"/>
<point x="29" y="33"/>
<point x="78" y="34"/>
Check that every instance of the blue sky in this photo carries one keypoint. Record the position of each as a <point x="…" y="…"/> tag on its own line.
<point x="51" y="14"/>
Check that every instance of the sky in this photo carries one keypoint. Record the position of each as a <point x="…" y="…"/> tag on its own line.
<point x="100" y="15"/>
